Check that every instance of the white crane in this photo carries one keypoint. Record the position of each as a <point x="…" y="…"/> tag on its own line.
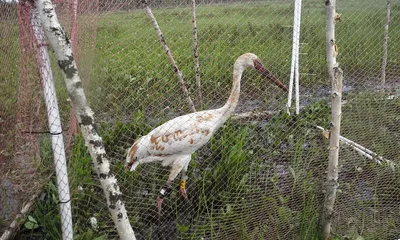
<point x="173" y="142"/>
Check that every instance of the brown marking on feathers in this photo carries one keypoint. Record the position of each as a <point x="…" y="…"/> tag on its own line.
<point x="159" y="147"/>
<point x="205" y="131"/>
<point x="165" y="138"/>
<point x="191" y="141"/>
<point x="177" y="132"/>
<point x="153" y="139"/>
<point x="204" y="118"/>
<point x="176" y="135"/>
<point x="154" y="144"/>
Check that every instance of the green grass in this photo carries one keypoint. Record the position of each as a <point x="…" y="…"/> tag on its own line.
<point x="236" y="185"/>
<point x="8" y="83"/>
<point x="131" y="61"/>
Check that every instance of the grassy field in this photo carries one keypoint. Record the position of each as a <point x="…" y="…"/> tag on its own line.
<point x="257" y="178"/>
<point x="250" y="181"/>
<point x="131" y="59"/>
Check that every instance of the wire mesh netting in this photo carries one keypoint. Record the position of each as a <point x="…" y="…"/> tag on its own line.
<point x="21" y="113"/>
<point x="27" y="137"/>
<point x="261" y="175"/>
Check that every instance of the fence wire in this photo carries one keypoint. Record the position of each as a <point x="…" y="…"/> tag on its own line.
<point x="21" y="114"/>
<point x="261" y="175"/>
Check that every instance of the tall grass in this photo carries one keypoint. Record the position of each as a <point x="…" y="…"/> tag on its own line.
<point x="253" y="180"/>
<point x="130" y="60"/>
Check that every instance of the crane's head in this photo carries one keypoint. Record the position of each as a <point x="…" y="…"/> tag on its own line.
<point x="132" y="156"/>
<point x="251" y="60"/>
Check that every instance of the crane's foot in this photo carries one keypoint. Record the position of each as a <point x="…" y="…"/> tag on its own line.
<point x="182" y="188"/>
<point x="165" y="191"/>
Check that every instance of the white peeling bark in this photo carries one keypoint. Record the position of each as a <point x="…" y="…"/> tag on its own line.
<point x="385" y="42"/>
<point x="177" y="71"/>
<point x="62" y="48"/>
<point x="332" y="178"/>
<point x="331" y="49"/>
<point x="336" y="77"/>
<point x="196" y="54"/>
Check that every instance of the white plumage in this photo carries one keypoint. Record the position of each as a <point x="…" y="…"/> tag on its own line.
<point x="173" y="142"/>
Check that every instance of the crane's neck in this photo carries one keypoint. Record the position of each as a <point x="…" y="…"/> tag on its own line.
<point x="233" y="99"/>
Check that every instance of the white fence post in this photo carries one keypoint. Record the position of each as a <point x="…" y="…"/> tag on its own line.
<point x="54" y="126"/>
<point x="385" y="44"/>
<point x="294" y="67"/>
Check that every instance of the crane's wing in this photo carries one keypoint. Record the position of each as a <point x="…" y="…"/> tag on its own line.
<point x="184" y="134"/>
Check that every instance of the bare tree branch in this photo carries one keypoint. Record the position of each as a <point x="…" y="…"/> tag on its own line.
<point x="331" y="48"/>
<point x="178" y="72"/>
<point x="196" y="54"/>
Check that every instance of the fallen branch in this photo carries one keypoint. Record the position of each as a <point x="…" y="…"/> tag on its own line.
<point x="84" y="114"/>
<point x="178" y="72"/>
<point x="10" y="232"/>
<point x="363" y="151"/>
<point x="252" y="115"/>
<point x="18" y="219"/>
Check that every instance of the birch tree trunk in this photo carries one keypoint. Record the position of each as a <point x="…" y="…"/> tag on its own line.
<point x="385" y="42"/>
<point x="62" y="48"/>
<point x="73" y="124"/>
<point x="178" y="72"/>
<point x="332" y="178"/>
<point x="336" y="77"/>
<point x="330" y="45"/>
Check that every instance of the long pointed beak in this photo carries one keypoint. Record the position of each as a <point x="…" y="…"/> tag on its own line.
<point x="261" y="69"/>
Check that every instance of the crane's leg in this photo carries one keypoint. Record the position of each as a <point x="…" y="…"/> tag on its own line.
<point x="165" y="191"/>
<point x="182" y="186"/>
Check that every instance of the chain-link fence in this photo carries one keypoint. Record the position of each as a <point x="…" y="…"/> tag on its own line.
<point x="261" y="175"/>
